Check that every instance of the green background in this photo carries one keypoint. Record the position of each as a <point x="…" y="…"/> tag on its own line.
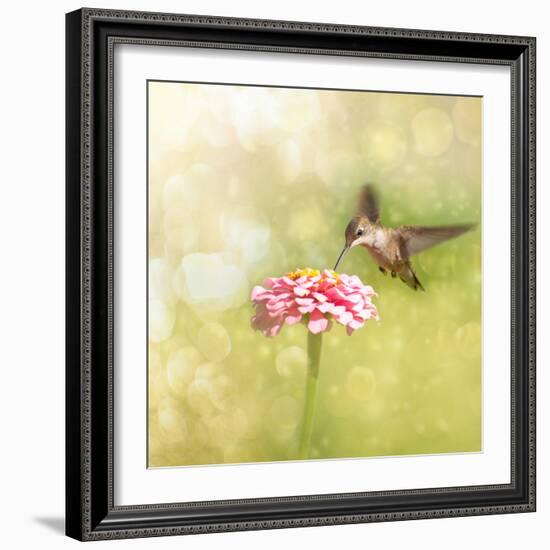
<point x="251" y="182"/>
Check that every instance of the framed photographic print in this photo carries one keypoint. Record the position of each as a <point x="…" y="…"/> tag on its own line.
<point x="300" y="274"/>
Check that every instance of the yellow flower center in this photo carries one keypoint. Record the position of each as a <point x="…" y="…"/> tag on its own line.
<point x="309" y="272"/>
<point x="306" y="272"/>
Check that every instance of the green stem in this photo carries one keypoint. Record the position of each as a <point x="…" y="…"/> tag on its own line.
<point x="314" y="342"/>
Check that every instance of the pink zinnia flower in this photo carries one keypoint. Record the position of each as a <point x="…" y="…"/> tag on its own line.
<point x="314" y="298"/>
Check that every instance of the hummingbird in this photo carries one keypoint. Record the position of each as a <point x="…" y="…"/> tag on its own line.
<point x="392" y="248"/>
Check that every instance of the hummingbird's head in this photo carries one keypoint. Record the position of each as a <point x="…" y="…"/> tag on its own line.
<point x="357" y="232"/>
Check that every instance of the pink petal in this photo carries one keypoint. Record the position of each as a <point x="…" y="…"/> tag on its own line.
<point x="335" y="294"/>
<point x="281" y="295"/>
<point x="273" y="331"/>
<point x="275" y="306"/>
<point x="270" y="281"/>
<point x="301" y="291"/>
<point x="317" y="322"/>
<point x="257" y="291"/>
<point x="320" y="297"/>
<point x="355" y="324"/>
<point x="293" y="318"/>
<point x="365" y="314"/>
<point x="345" y="318"/>
<point x="326" y="307"/>
<point x="262" y="321"/>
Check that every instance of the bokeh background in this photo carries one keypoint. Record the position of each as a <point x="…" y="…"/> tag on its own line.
<point x="249" y="182"/>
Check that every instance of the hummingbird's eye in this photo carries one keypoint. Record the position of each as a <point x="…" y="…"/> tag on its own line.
<point x="359" y="232"/>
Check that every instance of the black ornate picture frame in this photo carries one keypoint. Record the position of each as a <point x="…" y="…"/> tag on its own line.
<point x="90" y="510"/>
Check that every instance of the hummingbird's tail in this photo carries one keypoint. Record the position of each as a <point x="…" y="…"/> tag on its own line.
<point x="408" y="276"/>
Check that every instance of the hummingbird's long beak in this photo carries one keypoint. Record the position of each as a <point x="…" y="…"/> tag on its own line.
<point x="342" y="254"/>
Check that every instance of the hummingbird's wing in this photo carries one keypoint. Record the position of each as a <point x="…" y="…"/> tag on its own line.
<point x="415" y="239"/>
<point x="367" y="203"/>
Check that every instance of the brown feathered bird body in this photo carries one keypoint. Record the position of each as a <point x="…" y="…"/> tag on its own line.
<point x="392" y="248"/>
